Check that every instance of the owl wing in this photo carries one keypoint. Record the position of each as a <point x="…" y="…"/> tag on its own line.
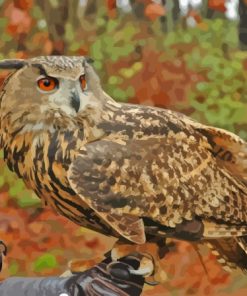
<point x="166" y="179"/>
<point x="229" y="149"/>
<point x="230" y="252"/>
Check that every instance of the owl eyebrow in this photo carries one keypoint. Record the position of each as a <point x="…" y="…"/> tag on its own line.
<point x="41" y="69"/>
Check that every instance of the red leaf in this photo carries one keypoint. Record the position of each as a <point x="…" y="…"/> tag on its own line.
<point x="23" y="4"/>
<point x="111" y="7"/>
<point x="218" y="5"/>
<point x="111" y="4"/>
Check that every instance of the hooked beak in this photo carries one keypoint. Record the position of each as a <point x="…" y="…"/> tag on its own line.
<point x="75" y="100"/>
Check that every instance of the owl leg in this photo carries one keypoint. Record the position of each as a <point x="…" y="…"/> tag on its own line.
<point x="3" y="251"/>
<point x="149" y="256"/>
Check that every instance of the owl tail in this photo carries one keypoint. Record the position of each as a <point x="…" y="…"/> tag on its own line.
<point x="231" y="253"/>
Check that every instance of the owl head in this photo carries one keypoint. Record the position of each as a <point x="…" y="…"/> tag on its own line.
<point x="49" y="84"/>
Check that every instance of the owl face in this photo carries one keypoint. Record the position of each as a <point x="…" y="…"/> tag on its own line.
<point x="70" y="94"/>
<point x="58" y="83"/>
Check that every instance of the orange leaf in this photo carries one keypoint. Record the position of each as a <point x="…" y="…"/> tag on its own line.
<point x="154" y="10"/>
<point x="218" y="5"/>
<point x="197" y="17"/>
<point x="111" y="7"/>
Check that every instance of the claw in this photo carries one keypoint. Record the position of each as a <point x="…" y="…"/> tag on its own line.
<point x="143" y="272"/>
<point x="3" y="251"/>
<point x="150" y="266"/>
<point x="3" y="248"/>
<point x="146" y="267"/>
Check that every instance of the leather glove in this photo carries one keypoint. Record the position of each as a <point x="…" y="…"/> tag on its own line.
<point x="106" y="279"/>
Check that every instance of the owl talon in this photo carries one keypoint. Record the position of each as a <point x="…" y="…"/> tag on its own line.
<point x="149" y="266"/>
<point x="145" y="266"/>
<point x="143" y="272"/>
<point x="125" y="270"/>
<point x="3" y="248"/>
<point x="3" y="251"/>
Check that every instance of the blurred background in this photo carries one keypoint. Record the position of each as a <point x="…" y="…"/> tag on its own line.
<point x="189" y="56"/>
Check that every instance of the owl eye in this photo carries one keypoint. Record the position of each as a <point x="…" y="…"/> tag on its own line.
<point x="83" y="82"/>
<point x="47" y="83"/>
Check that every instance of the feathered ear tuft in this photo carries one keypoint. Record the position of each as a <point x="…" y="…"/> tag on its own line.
<point x="12" y="64"/>
<point x="89" y="60"/>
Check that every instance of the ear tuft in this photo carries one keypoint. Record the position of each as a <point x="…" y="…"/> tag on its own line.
<point x="12" y="64"/>
<point x="89" y="60"/>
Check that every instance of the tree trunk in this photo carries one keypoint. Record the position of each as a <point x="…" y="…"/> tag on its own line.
<point x="56" y="16"/>
<point x="172" y="17"/>
<point x="242" y="29"/>
<point x="207" y="12"/>
<point x="169" y="15"/>
<point x="138" y="8"/>
<point x="176" y="11"/>
<point x="73" y="14"/>
<point x="91" y="8"/>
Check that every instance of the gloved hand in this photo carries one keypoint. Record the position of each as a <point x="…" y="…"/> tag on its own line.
<point x="106" y="279"/>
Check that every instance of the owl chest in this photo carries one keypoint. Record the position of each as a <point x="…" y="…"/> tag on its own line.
<point x="42" y="161"/>
<point x="47" y="171"/>
<point x="54" y="189"/>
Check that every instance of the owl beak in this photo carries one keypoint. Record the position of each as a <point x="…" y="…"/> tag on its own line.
<point x="75" y="100"/>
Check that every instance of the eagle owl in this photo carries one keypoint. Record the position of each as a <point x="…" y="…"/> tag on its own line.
<point x="138" y="173"/>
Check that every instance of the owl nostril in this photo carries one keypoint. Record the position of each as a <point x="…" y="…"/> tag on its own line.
<point x="75" y="100"/>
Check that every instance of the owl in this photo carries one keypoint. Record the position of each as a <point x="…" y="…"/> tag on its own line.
<point x="137" y="173"/>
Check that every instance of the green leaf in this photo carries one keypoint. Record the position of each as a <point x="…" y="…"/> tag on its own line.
<point x="16" y="188"/>
<point x="127" y="72"/>
<point x="45" y="261"/>
<point x="69" y="32"/>
<point x="2" y="181"/>
<point x="119" y="94"/>
<point x="37" y="12"/>
<point x="3" y="22"/>
<point x="28" y="199"/>
<point x="114" y="80"/>
<point x="130" y="91"/>
<point x="13" y="268"/>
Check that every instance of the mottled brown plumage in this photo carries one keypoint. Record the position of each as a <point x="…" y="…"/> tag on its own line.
<point x="135" y="172"/>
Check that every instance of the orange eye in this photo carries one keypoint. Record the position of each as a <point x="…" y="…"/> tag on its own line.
<point x="47" y="83"/>
<point x="83" y="82"/>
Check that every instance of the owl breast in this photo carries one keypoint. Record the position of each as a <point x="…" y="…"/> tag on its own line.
<point x="42" y="162"/>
